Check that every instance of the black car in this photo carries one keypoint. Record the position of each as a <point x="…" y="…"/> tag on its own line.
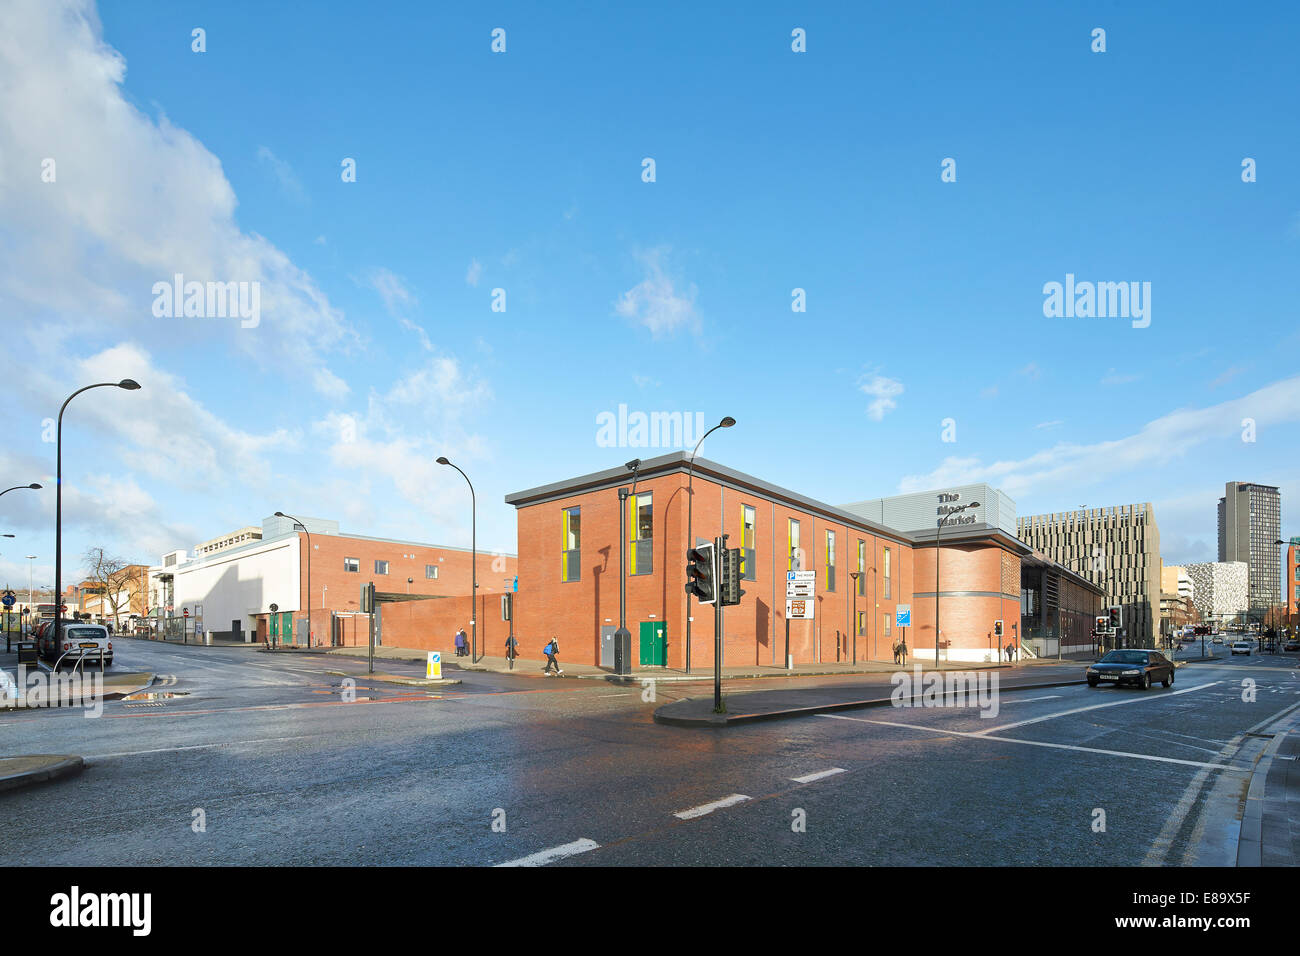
<point x="1140" y="668"/>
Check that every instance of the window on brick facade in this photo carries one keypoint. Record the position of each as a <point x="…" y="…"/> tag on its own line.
<point x="862" y="567"/>
<point x="571" y="548"/>
<point x="792" y="543"/>
<point x="351" y="564"/>
<point x="748" y="557"/>
<point x="381" y="567"/>
<point x="641" y="547"/>
<point x="431" y="571"/>
<point x="888" y="590"/>
<point x="830" y="560"/>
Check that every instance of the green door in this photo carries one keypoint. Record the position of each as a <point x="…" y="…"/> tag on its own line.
<point x="654" y="644"/>
<point x="286" y="626"/>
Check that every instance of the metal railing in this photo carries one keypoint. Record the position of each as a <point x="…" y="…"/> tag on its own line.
<point x="81" y="659"/>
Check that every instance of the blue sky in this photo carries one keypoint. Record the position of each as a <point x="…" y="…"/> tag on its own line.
<point x="377" y="348"/>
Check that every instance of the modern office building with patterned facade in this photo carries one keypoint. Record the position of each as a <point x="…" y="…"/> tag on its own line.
<point x="1250" y="524"/>
<point x="1117" y="549"/>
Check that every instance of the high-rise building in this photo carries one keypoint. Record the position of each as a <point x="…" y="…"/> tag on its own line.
<point x="1250" y="524"/>
<point x="1116" y="548"/>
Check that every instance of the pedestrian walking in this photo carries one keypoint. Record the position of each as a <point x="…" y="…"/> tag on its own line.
<point x="552" y="649"/>
<point x="512" y="650"/>
<point x="460" y="643"/>
<point x="902" y="651"/>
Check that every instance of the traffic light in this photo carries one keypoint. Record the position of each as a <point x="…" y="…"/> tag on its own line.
<point x="729" y="577"/>
<point x="1115" y="617"/>
<point x="997" y="628"/>
<point x="701" y="575"/>
<point x="1102" y="623"/>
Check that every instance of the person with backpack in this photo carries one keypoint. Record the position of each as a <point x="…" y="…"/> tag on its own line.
<point x="512" y="650"/>
<point x="551" y="649"/>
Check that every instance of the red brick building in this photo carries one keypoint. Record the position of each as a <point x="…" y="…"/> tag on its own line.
<point x="568" y="544"/>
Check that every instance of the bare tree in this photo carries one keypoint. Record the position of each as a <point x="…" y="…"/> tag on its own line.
<point x="114" y="578"/>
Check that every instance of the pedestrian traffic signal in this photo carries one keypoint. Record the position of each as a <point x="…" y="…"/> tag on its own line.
<point x="729" y="577"/>
<point x="1115" y="617"/>
<point x="701" y="575"/>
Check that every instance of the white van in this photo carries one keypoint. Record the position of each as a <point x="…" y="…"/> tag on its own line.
<point x="78" y="641"/>
<point x="1241" y="647"/>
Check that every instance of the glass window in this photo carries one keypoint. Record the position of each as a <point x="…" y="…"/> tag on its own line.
<point x="431" y="571"/>
<point x="641" y="550"/>
<point x="351" y="564"/>
<point x="748" y="556"/>
<point x="830" y="560"/>
<point x="887" y="586"/>
<point x="792" y="543"/>
<point x="381" y="567"/>
<point x="570" y="556"/>
<point x="862" y="622"/>
<point x="862" y="568"/>
<point x="888" y="622"/>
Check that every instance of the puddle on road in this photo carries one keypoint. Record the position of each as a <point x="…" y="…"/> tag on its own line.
<point x="154" y="695"/>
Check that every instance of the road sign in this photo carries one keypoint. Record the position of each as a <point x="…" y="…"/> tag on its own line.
<point x="903" y="615"/>
<point x="800" y="584"/>
<point x="187" y="612"/>
<point x="434" y="669"/>
<point x="798" y="610"/>
<point x="8" y="600"/>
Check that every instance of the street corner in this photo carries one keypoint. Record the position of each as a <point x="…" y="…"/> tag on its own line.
<point x="26" y="771"/>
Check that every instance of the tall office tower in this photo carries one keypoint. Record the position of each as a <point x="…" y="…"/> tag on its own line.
<point x="1116" y="548"/>
<point x="1250" y="524"/>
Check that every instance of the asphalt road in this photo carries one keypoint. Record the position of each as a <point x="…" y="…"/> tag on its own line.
<point x="281" y="769"/>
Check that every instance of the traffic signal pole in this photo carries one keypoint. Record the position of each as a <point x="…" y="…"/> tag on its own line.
<point x="719" y="544"/>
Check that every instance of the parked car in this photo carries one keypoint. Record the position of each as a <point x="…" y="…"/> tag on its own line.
<point x="1241" y="647"/>
<point x="1217" y="640"/>
<point x="1141" y="668"/>
<point x="1293" y="645"/>
<point x="77" y="641"/>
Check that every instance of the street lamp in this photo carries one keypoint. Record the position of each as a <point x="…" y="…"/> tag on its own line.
<point x="955" y="511"/>
<point x="854" y="576"/>
<point x="281" y="514"/>
<point x="726" y="422"/>
<point x="623" y="637"/>
<point x="33" y="485"/>
<point x="129" y="385"/>
<point x="473" y="573"/>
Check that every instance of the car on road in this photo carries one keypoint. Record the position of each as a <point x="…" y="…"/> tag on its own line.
<point x="1217" y="640"/>
<point x="1292" y="645"/>
<point x="1141" y="668"/>
<point x="90" y="643"/>
<point x="1241" y="647"/>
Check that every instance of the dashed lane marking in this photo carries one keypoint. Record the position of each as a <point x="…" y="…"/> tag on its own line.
<point x="555" y="853"/>
<point x="1113" y="703"/>
<point x="984" y="735"/>
<point x="810" y="777"/>
<point x="705" y="808"/>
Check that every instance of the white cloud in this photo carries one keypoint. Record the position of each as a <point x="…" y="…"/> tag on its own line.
<point x="656" y="301"/>
<point x="135" y="201"/>
<point x="474" y="273"/>
<point x="398" y="299"/>
<point x="1051" y="424"/>
<point x="884" y="391"/>
<point x="1065" y="465"/>
<point x="283" y="173"/>
<point x="1115" y="378"/>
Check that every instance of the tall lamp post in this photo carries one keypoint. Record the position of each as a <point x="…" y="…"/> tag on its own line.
<point x="281" y="514"/>
<point x="955" y="511"/>
<point x="130" y="385"/>
<point x="473" y="573"/>
<point x="726" y="422"/>
<point x="33" y="485"/>
<point x="623" y="637"/>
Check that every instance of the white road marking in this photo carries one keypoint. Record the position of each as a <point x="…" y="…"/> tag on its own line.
<point x="224" y="743"/>
<point x="984" y="735"/>
<point x="1114" y="703"/>
<point x="701" y="810"/>
<point x="810" y="777"/>
<point x="555" y="853"/>
<point x="627" y="694"/>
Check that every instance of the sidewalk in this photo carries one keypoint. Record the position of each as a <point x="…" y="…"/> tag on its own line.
<point x="18" y="772"/>
<point x="533" y="668"/>
<point x="1270" y="825"/>
<point x="874" y="691"/>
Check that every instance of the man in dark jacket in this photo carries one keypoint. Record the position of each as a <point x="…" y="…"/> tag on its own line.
<point x="551" y="649"/>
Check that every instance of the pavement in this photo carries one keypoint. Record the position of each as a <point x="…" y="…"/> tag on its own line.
<point x="750" y="706"/>
<point x="1270" y="824"/>
<point x="18" y="772"/>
